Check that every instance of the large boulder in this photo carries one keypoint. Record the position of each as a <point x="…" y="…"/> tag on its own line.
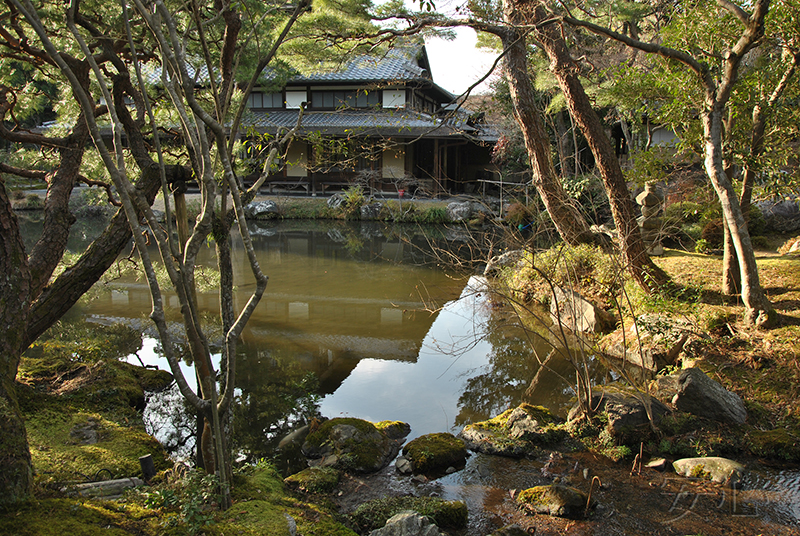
<point x="781" y="216"/>
<point x="509" y="259"/>
<point x="700" y="395"/>
<point x="351" y="445"/>
<point x="259" y="210"/>
<point x="627" y="412"/>
<point x="651" y="343"/>
<point x="555" y="500"/>
<point x="578" y="314"/>
<point x="433" y="454"/>
<point x="458" y="211"/>
<point x="376" y="513"/>
<point x="514" y="433"/>
<point x="371" y="211"/>
<point x="721" y="470"/>
<point x="336" y="201"/>
<point x="408" y="524"/>
<point x="314" y="480"/>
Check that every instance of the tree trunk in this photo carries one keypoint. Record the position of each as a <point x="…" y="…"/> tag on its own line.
<point x="565" y="150"/>
<point x="638" y="263"/>
<point x="758" y="309"/>
<point x="569" y="221"/>
<point x="16" y="475"/>
<point x="731" y="278"/>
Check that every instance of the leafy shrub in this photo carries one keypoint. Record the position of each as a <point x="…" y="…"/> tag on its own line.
<point x="587" y="267"/>
<point x="713" y="233"/>
<point x="354" y="198"/>
<point x="435" y="215"/>
<point x="517" y="213"/>
<point x="34" y="201"/>
<point x="683" y="212"/>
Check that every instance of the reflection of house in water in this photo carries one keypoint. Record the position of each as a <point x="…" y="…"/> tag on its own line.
<point x="334" y="297"/>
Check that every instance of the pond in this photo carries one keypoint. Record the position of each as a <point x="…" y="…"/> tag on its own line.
<point x="372" y="321"/>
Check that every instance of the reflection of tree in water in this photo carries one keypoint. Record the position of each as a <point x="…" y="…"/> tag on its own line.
<point x="276" y="395"/>
<point x="168" y="419"/>
<point x="512" y="364"/>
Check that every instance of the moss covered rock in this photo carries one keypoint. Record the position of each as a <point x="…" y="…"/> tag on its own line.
<point x="351" y="445"/>
<point x="716" y="469"/>
<point x="446" y="514"/>
<point x="314" y="480"/>
<point x="554" y="500"/>
<point x="435" y="453"/>
<point x="515" y="432"/>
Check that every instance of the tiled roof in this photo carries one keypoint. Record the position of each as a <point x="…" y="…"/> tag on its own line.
<point x="395" y="123"/>
<point x="397" y="64"/>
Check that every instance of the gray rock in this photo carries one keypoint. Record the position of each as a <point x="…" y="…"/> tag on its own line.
<point x="336" y="201"/>
<point x="261" y="209"/>
<point x="106" y="489"/>
<point x="86" y="434"/>
<point x="721" y="470"/>
<point x="408" y="524"/>
<point x="349" y="448"/>
<point x="292" y="525"/>
<point x="371" y="211"/>
<point x="507" y="259"/>
<point x="626" y="411"/>
<point x="578" y="314"/>
<point x="651" y="343"/>
<point x="782" y="216"/>
<point x="459" y="211"/>
<point x="403" y="465"/>
<point x="520" y="423"/>
<point x="659" y="464"/>
<point x="554" y="500"/>
<point x="700" y="395"/>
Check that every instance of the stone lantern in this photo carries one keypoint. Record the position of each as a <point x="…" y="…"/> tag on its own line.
<point x="650" y="222"/>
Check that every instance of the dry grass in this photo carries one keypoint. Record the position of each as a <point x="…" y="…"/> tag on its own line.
<point x="761" y="366"/>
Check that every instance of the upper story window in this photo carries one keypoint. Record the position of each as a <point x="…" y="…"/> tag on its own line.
<point x="349" y="98"/>
<point x="265" y="100"/>
<point x="422" y="104"/>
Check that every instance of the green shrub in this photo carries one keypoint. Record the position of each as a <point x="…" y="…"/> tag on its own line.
<point x="435" y="215"/>
<point x="684" y="212"/>
<point x="34" y="201"/>
<point x="594" y="273"/>
<point x="374" y="514"/>
<point x="756" y="224"/>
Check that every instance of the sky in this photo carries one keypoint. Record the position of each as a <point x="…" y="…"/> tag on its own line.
<point x="457" y="64"/>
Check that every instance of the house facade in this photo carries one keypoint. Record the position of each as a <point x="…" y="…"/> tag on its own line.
<point x="380" y="122"/>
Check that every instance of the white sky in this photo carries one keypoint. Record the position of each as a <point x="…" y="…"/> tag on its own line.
<point x="457" y="64"/>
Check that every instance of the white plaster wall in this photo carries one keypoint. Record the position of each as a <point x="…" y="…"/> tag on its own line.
<point x="297" y="160"/>
<point x="394" y="98"/>
<point x="394" y="163"/>
<point x="664" y="137"/>
<point x="295" y="98"/>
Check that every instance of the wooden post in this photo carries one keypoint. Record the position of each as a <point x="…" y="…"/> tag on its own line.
<point x="181" y="215"/>
<point x="148" y="467"/>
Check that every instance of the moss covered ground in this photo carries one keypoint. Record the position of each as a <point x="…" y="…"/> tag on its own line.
<point x="82" y="409"/>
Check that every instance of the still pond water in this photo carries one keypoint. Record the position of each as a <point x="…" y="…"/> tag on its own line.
<point x="376" y="325"/>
